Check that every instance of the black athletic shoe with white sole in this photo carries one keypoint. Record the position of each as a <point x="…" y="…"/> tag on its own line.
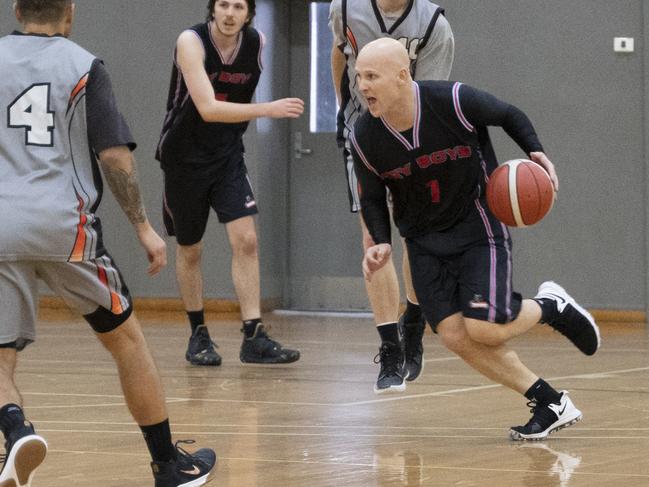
<point x="188" y="470"/>
<point x="262" y="349"/>
<point x="546" y="419"/>
<point x="568" y="318"/>
<point x="25" y="452"/>
<point x="200" y="349"/>
<point x="413" y="348"/>
<point x="391" y="375"/>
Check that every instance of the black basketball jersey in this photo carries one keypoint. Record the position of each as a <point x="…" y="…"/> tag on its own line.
<point x="438" y="168"/>
<point x="186" y="137"/>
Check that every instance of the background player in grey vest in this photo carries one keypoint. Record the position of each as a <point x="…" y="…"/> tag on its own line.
<point x="428" y="142"/>
<point x="216" y="68"/>
<point x="424" y="31"/>
<point x="62" y="124"/>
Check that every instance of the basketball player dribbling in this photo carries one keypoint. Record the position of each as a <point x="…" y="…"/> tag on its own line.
<point x="427" y="142"/>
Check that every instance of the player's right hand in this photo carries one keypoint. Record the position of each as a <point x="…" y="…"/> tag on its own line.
<point x="155" y="247"/>
<point x="375" y="257"/>
<point x="286" y="108"/>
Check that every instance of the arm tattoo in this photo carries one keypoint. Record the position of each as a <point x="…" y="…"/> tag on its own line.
<point x="126" y="191"/>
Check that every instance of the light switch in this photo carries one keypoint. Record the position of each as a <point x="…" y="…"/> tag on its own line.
<point x="623" y="44"/>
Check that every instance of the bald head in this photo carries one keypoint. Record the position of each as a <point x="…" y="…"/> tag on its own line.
<point x="385" y="54"/>
<point x="383" y="76"/>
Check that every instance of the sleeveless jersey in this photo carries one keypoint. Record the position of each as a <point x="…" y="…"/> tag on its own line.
<point x="50" y="184"/>
<point x="434" y="171"/>
<point x="186" y="137"/>
<point x="420" y="29"/>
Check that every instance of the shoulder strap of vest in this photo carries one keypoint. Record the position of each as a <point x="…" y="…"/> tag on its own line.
<point x="344" y="15"/>
<point x="429" y="30"/>
<point x="424" y="40"/>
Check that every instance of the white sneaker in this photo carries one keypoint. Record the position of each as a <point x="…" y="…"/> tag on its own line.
<point x="546" y="419"/>
<point x="24" y="456"/>
<point x="570" y="319"/>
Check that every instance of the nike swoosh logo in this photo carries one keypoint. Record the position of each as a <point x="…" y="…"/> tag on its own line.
<point x="564" y="408"/>
<point x="196" y="471"/>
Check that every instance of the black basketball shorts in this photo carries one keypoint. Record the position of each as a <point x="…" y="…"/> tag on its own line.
<point x="467" y="269"/>
<point x="191" y="190"/>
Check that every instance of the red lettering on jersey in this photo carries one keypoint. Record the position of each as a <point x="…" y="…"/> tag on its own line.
<point x="398" y="173"/>
<point x="438" y="157"/>
<point x="463" y="151"/>
<point x="221" y="96"/>
<point x="234" y="78"/>
<point x="424" y="161"/>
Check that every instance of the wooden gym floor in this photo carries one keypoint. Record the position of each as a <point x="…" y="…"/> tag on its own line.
<point x="318" y="423"/>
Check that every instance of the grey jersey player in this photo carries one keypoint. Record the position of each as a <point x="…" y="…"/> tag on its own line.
<point x="422" y="28"/>
<point x="62" y="125"/>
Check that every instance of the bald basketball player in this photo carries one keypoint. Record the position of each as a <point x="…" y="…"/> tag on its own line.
<point x="427" y="142"/>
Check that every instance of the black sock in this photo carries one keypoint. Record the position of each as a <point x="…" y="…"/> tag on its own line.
<point x="250" y="326"/>
<point x="389" y="332"/>
<point x="548" y="309"/>
<point x="158" y="441"/>
<point x="196" y="319"/>
<point x="12" y="419"/>
<point x="412" y="314"/>
<point x="543" y="393"/>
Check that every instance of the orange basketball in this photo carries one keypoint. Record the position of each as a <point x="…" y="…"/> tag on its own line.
<point x="520" y="193"/>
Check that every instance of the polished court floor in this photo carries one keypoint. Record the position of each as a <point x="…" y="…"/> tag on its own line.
<point x="318" y="423"/>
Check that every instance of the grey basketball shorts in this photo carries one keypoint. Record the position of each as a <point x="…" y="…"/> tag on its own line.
<point x="95" y="289"/>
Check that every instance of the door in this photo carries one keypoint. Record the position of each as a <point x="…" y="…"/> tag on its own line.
<point x="325" y="238"/>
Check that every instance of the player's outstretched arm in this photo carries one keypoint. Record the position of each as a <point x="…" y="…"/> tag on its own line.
<point x="190" y="57"/>
<point x="119" y="169"/>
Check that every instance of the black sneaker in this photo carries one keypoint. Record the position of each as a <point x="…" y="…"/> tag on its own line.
<point x="200" y="350"/>
<point x="570" y="319"/>
<point x="262" y="349"/>
<point x="25" y="451"/>
<point x="546" y="419"/>
<point x="391" y="375"/>
<point x="188" y="470"/>
<point x="412" y="335"/>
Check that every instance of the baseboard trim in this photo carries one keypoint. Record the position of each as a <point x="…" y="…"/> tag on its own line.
<point x="618" y="316"/>
<point x="231" y="306"/>
<point x="169" y="304"/>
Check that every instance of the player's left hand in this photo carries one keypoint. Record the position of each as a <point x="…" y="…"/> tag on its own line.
<point x="375" y="257"/>
<point x="155" y="247"/>
<point x="541" y="159"/>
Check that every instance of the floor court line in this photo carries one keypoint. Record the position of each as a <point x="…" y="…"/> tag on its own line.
<point x="284" y="434"/>
<point x="367" y="465"/>
<point x="594" y="375"/>
<point x="337" y="426"/>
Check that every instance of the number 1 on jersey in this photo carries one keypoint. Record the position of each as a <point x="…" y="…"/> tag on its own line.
<point x="31" y="112"/>
<point x="433" y="184"/>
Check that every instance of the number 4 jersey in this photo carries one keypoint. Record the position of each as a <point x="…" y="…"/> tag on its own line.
<point x="50" y="184"/>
